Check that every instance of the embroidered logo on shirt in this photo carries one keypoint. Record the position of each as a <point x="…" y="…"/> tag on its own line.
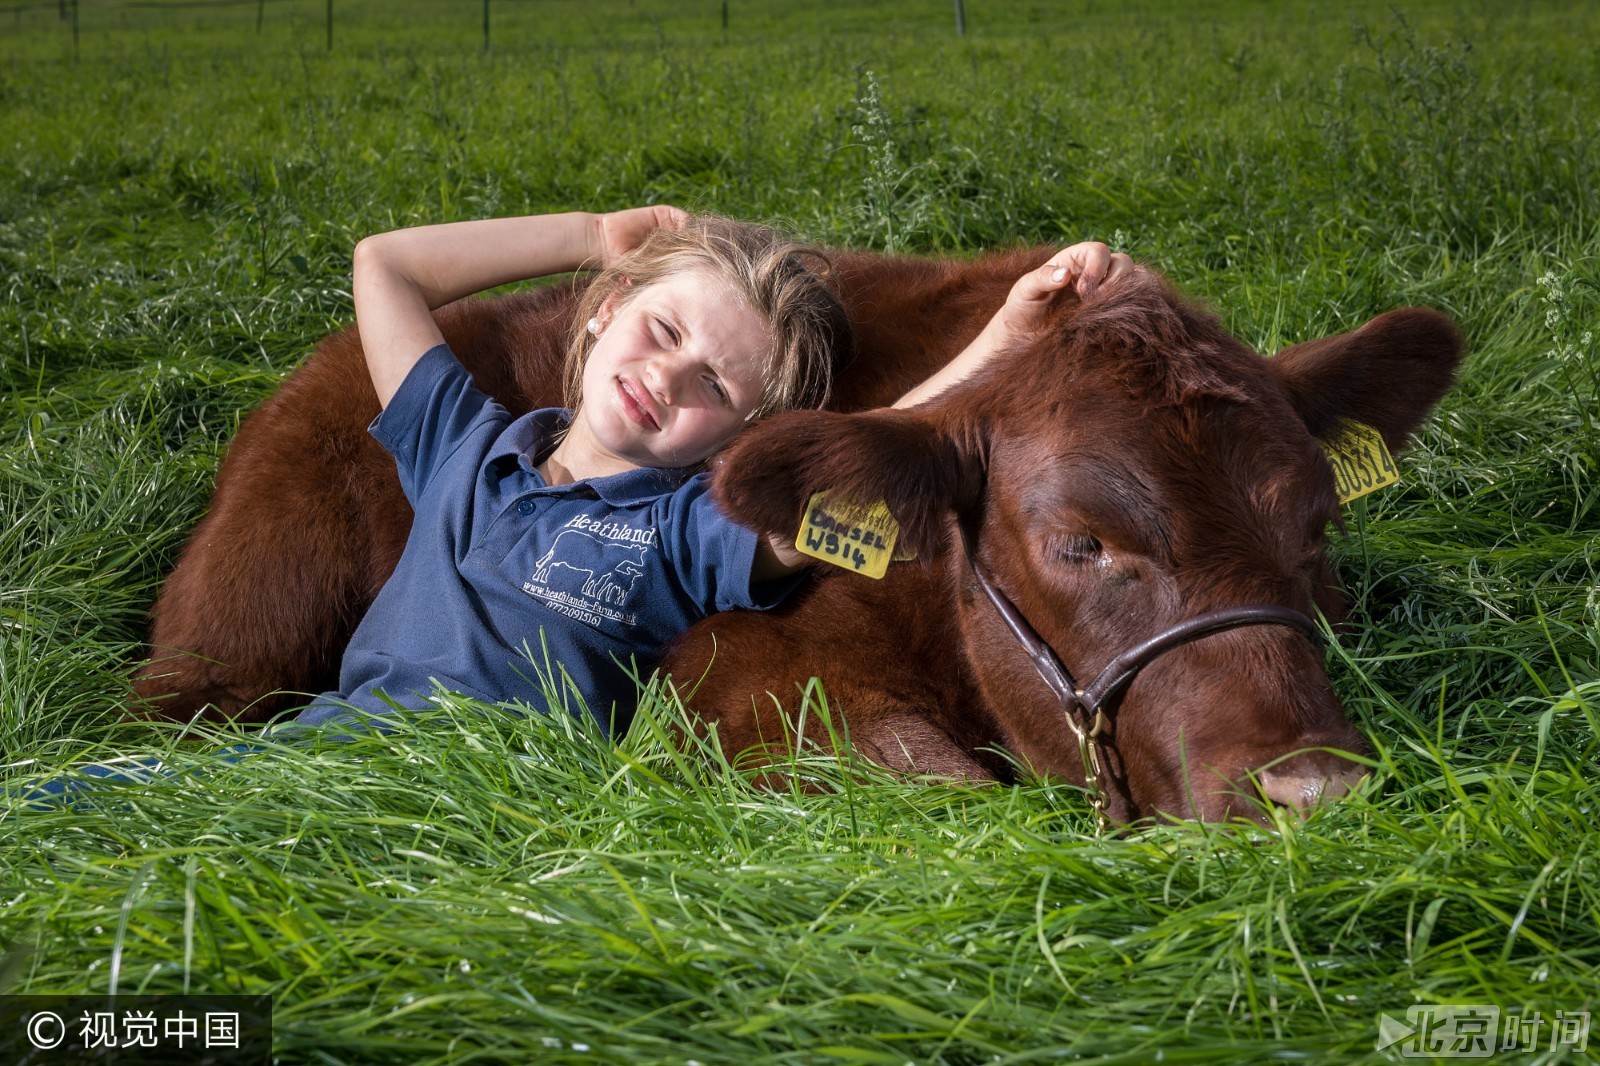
<point x="591" y="570"/>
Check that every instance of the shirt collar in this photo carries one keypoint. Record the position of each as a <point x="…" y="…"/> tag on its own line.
<point x="520" y="443"/>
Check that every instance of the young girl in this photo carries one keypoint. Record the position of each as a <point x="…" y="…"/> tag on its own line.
<point x="553" y="556"/>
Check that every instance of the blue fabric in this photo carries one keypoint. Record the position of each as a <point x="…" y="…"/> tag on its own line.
<point x="137" y="770"/>
<point x="508" y="588"/>
<point x="507" y="582"/>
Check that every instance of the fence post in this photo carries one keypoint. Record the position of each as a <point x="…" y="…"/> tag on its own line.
<point x="261" y="10"/>
<point x="961" y="19"/>
<point x="330" y="25"/>
<point x="485" y="25"/>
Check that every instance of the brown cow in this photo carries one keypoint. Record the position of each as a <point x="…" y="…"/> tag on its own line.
<point x="1133" y="467"/>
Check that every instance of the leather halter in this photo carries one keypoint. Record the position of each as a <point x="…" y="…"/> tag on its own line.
<point x="1089" y="700"/>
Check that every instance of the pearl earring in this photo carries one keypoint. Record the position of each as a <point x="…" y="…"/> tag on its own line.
<point x="594" y="326"/>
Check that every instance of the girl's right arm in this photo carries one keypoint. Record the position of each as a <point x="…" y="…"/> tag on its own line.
<point x="399" y="277"/>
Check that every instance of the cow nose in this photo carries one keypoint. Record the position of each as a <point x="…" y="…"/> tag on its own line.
<point x="1305" y="780"/>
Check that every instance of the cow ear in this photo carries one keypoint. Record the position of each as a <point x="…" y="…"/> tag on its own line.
<point x="769" y="473"/>
<point x="1387" y="374"/>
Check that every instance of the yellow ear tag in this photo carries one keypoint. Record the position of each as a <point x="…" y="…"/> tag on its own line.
<point x="1361" y="461"/>
<point x="858" y="538"/>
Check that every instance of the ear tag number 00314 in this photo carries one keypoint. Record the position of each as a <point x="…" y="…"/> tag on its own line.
<point x="856" y="537"/>
<point x="1361" y="461"/>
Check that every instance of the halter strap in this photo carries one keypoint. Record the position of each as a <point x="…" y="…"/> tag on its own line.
<point x="1089" y="701"/>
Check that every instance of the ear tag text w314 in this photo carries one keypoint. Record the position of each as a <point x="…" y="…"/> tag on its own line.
<point x="1361" y="462"/>
<point x="856" y="537"/>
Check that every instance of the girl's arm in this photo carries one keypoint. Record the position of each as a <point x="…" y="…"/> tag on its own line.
<point x="1089" y="264"/>
<point x="399" y="277"/>
<point x="776" y="557"/>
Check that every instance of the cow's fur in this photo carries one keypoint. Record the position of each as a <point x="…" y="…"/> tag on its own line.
<point x="1131" y="465"/>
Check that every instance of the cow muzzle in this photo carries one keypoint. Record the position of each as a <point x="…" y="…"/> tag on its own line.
<point x="1304" y="780"/>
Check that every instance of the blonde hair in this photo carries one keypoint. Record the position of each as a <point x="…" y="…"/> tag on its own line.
<point x="779" y="278"/>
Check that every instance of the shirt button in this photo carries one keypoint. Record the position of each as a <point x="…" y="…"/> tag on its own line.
<point x="524" y="507"/>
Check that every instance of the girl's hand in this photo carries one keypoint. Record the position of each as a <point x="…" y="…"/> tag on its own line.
<point x="620" y="232"/>
<point x="1087" y="266"/>
<point x="398" y="278"/>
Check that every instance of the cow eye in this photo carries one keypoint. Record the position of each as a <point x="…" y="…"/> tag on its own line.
<point x="1077" y="548"/>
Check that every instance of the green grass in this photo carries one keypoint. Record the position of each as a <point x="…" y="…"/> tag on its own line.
<point x="179" y="194"/>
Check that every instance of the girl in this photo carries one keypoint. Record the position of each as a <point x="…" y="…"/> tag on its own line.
<point x="549" y="553"/>
<point x="553" y="556"/>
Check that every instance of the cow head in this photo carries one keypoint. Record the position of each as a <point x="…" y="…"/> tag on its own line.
<point x="1131" y="467"/>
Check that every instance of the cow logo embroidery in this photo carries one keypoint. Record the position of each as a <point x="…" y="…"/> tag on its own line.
<point x="591" y="569"/>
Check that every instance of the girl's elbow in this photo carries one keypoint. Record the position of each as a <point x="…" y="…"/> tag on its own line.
<point x="368" y="255"/>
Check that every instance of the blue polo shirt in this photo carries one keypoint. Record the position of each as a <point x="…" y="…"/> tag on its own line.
<point x="511" y="589"/>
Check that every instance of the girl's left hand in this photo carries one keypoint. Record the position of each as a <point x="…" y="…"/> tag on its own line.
<point x="1087" y="266"/>
<point x="620" y="232"/>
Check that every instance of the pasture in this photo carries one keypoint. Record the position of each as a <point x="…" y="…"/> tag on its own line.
<point x="180" y="189"/>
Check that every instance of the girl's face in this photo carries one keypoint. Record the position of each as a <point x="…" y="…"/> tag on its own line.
<point x="672" y="376"/>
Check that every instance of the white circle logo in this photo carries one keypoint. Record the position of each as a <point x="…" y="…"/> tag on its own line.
<point x="39" y="1030"/>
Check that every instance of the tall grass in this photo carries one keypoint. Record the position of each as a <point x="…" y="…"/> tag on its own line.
<point x="178" y="200"/>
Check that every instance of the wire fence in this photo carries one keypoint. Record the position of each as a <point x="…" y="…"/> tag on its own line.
<point x="83" y="14"/>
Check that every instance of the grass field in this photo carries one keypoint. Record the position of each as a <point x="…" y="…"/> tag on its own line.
<point x="180" y="189"/>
